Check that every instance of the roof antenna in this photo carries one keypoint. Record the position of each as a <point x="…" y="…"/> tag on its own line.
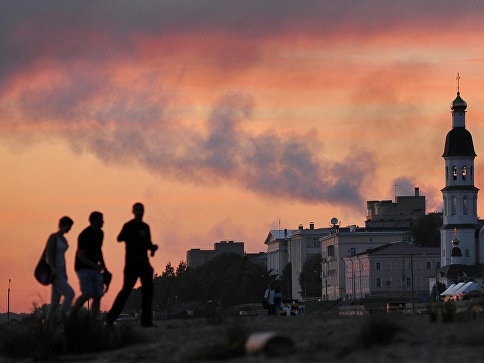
<point x="458" y="83"/>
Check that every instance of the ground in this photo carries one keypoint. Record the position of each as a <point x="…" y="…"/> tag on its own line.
<point x="317" y="337"/>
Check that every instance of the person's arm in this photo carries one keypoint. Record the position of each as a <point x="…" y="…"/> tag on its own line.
<point x="101" y="260"/>
<point x="152" y="247"/>
<point x="51" y="252"/>
<point x="122" y="234"/>
<point x="81" y="256"/>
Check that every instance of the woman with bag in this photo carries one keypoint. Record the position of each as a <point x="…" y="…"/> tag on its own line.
<point x="56" y="248"/>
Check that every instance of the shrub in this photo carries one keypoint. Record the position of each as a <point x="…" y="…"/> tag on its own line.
<point x="378" y="329"/>
<point x="34" y="338"/>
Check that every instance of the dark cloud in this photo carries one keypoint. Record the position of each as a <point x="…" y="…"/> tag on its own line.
<point x="90" y="32"/>
<point x="79" y="43"/>
<point x="131" y="130"/>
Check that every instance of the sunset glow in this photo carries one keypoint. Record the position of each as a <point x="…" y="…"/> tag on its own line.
<point x="226" y="119"/>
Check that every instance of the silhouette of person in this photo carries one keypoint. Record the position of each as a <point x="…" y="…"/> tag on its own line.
<point x="137" y="237"/>
<point x="277" y="300"/>
<point x="89" y="264"/>
<point x="56" y="248"/>
<point x="269" y="296"/>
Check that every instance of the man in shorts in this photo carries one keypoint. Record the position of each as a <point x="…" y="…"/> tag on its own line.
<point x="89" y="264"/>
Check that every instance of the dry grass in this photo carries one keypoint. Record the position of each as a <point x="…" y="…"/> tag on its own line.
<point x="318" y="336"/>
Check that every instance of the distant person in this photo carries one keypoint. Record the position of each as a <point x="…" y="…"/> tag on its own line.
<point x="137" y="237"/>
<point x="56" y="248"/>
<point x="277" y="300"/>
<point x="89" y="264"/>
<point x="269" y="298"/>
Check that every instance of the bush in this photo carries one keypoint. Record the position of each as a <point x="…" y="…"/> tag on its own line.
<point x="378" y="329"/>
<point x="34" y="338"/>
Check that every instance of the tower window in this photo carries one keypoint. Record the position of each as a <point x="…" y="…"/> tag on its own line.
<point x="454" y="206"/>
<point x="447" y="173"/>
<point x="464" y="172"/>
<point x="464" y="205"/>
<point x="454" y="172"/>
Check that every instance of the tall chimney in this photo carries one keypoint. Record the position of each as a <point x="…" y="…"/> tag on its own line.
<point x="311" y="225"/>
<point x="417" y="192"/>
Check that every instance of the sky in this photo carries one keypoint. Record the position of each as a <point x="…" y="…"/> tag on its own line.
<point x="225" y="118"/>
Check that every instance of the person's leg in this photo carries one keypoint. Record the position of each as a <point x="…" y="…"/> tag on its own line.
<point x="79" y="303"/>
<point x="54" y="303"/>
<point x="96" y="307"/>
<point x="97" y="285"/>
<point x="128" y="284"/>
<point x="147" y="296"/>
<point x="66" y="290"/>
<point x="85" y="290"/>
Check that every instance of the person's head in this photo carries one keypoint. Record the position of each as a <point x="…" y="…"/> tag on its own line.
<point x="96" y="219"/>
<point x="138" y="210"/>
<point x="65" y="224"/>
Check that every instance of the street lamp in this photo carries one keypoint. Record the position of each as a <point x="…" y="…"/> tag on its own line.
<point x="8" y="300"/>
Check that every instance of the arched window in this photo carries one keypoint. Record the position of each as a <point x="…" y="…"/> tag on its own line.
<point x="454" y="206"/>
<point x="464" y="172"/>
<point x="454" y="172"/>
<point x="464" y="205"/>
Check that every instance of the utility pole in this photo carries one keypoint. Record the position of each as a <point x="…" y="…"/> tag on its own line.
<point x="413" y="292"/>
<point x="8" y="300"/>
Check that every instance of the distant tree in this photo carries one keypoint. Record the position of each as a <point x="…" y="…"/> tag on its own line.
<point x="181" y="269"/>
<point x="437" y="289"/>
<point x="229" y="278"/>
<point x="426" y="230"/>
<point x="169" y="270"/>
<point x="285" y="281"/>
<point x="310" y="277"/>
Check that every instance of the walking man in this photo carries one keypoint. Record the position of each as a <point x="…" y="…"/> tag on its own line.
<point x="89" y="264"/>
<point x="137" y="237"/>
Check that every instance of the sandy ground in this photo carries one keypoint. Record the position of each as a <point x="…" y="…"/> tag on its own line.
<point x="317" y="337"/>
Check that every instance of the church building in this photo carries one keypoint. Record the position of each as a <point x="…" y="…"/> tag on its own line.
<point x="462" y="249"/>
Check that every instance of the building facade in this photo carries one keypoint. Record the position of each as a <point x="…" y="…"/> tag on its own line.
<point x="396" y="269"/>
<point x="197" y="257"/>
<point x="277" y="250"/>
<point x="303" y="244"/>
<point x="400" y="214"/>
<point x="460" y="243"/>
<point x="346" y="242"/>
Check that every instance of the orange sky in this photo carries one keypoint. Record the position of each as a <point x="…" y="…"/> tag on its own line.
<point x="225" y="119"/>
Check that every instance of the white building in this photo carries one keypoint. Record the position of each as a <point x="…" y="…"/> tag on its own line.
<point x="277" y="251"/>
<point x="396" y="269"/>
<point x="347" y="242"/>
<point x="459" y="234"/>
<point x="303" y="244"/>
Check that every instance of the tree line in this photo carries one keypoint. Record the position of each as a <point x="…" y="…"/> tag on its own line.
<point x="228" y="279"/>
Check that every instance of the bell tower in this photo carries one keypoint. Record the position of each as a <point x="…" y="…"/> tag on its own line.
<point x="459" y="242"/>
